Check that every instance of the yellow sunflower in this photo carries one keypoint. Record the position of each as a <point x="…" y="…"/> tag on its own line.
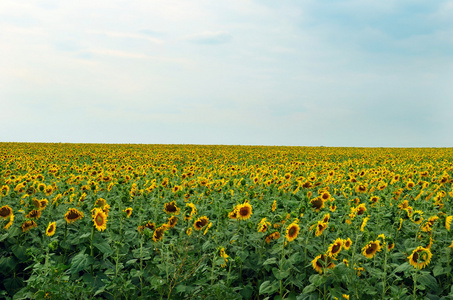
<point x="335" y="248"/>
<point x="190" y="211"/>
<point x="128" y="211"/>
<point x="317" y="203"/>
<point x="73" y="215"/>
<point x="347" y="244"/>
<point x="171" y="208"/>
<point x="100" y="219"/>
<point x="159" y="233"/>
<point x="172" y="221"/>
<point x="292" y="231"/>
<point x="320" y="227"/>
<point x="321" y="262"/>
<point x="201" y="222"/>
<point x="224" y="256"/>
<point x="6" y="211"/>
<point x="371" y="249"/>
<point x="27" y="225"/>
<point x="50" y="231"/>
<point x="263" y="225"/>
<point x="448" y="222"/>
<point x="34" y="214"/>
<point x="272" y="236"/>
<point x="244" y="211"/>
<point x="420" y="257"/>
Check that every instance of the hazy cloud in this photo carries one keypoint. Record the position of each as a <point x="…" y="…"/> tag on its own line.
<point x="210" y="38"/>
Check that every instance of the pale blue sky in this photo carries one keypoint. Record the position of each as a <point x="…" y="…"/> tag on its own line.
<point x="309" y="73"/>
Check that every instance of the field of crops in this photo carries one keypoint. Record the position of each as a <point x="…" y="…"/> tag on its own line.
<point x="88" y="221"/>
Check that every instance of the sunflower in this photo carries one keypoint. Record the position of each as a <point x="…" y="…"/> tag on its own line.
<point x="43" y="203"/>
<point x="347" y="244"/>
<point x="223" y="255"/>
<point x="100" y="219"/>
<point x="317" y="203"/>
<point x="34" y="214"/>
<point x="335" y="248"/>
<point x="274" y="205"/>
<point x="190" y="211"/>
<point x="272" y="236"/>
<point x="207" y="227"/>
<point x="320" y="227"/>
<point x="150" y="225"/>
<point x="201" y="222"/>
<point x="371" y="248"/>
<point x="171" y="208"/>
<point x="4" y="190"/>
<point x="292" y="231"/>
<point x="233" y="214"/>
<point x="448" y="222"/>
<point x="244" y="211"/>
<point x="361" y="209"/>
<point x="27" y="225"/>
<point x="128" y="211"/>
<point x="420" y="257"/>
<point x="101" y="202"/>
<point x="172" y="221"/>
<point x="159" y="233"/>
<point x="263" y="225"/>
<point x="322" y="261"/>
<point x="189" y="231"/>
<point x="10" y="222"/>
<point x="73" y="215"/>
<point x="51" y="229"/>
<point x="326" y="218"/>
<point x="6" y="211"/>
<point x="364" y="222"/>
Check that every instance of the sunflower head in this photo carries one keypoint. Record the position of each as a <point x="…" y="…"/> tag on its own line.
<point x="128" y="211"/>
<point x="322" y="262"/>
<point x="171" y="208"/>
<point x="244" y="211"/>
<point x="420" y="257"/>
<point x="73" y="215"/>
<point x="371" y="249"/>
<point x="50" y="231"/>
<point x="172" y="221"/>
<point x="317" y="203"/>
<point x="201" y="222"/>
<point x="292" y="231"/>
<point x="159" y="232"/>
<point x="27" y="225"/>
<point x="6" y="211"/>
<point x="99" y="219"/>
<point x="347" y="244"/>
<point x="335" y="248"/>
<point x="320" y="227"/>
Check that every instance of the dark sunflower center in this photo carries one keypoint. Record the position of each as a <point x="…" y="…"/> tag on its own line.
<point x="335" y="248"/>
<point x="244" y="211"/>
<point x="5" y="212"/>
<point x="317" y="203"/>
<point x="73" y="215"/>
<point x="415" y="257"/>
<point x="371" y="249"/>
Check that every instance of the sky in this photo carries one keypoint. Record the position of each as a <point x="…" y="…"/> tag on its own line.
<point x="357" y="73"/>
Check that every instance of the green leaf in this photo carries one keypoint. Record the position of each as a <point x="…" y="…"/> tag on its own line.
<point x="438" y="270"/>
<point x="309" y="289"/>
<point x="280" y="275"/>
<point x="7" y="265"/>
<point x="403" y="267"/>
<point x="429" y="281"/>
<point x="102" y="245"/>
<point x="268" y="288"/>
<point x="20" y="252"/>
<point x="270" y="261"/>
<point x="80" y="262"/>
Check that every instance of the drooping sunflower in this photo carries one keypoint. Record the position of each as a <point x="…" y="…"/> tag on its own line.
<point x="361" y="209"/>
<point x="326" y="218"/>
<point x="420" y="257"/>
<point x="233" y="214"/>
<point x="371" y="249"/>
<point x="364" y="222"/>
<point x="172" y="221"/>
<point x="10" y="222"/>
<point x="244" y="211"/>
<point x="317" y="203"/>
<point x="320" y="227"/>
<point x="27" y="225"/>
<point x="50" y="231"/>
<point x="335" y="248"/>
<point x="200" y="223"/>
<point x="273" y="236"/>
<point x="292" y="231"/>
<point x="6" y="211"/>
<point x="171" y="208"/>
<point x="73" y="215"/>
<point x="347" y="244"/>
<point x="159" y="233"/>
<point x="128" y="211"/>
<point x="224" y="256"/>
<point x="34" y="214"/>
<point x="99" y="219"/>
<point x="274" y="205"/>
<point x="322" y="261"/>
<point x="263" y="226"/>
<point x="101" y="202"/>
<point x="448" y="222"/>
<point x="190" y="211"/>
<point x="4" y="190"/>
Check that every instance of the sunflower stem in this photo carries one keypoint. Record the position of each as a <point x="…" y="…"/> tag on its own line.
<point x="91" y="247"/>
<point x="414" y="275"/>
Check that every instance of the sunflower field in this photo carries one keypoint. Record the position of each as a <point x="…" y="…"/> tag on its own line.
<point x="104" y="221"/>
